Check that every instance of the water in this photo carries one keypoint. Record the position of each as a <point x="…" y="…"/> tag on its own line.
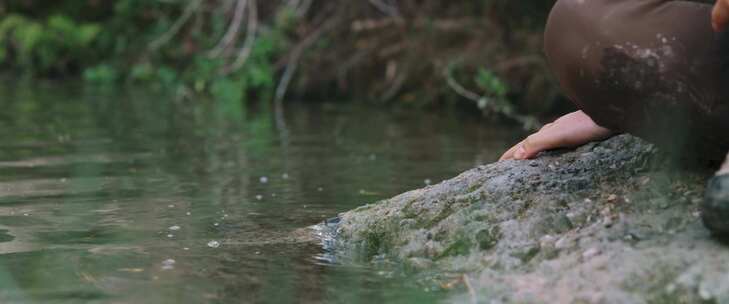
<point x="126" y="196"/>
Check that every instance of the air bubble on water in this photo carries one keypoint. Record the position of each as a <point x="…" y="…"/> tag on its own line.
<point x="171" y="206"/>
<point x="258" y="252"/>
<point x="216" y="224"/>
<point x="188" y="213"/>
<point x="170" y="235"/>
<point x="263" y="179"/>
<point x="174" y="228"/>
<point x="186" y="248"/>
<point x="373" y="157"/>
<point x="213" y="244"/>
<point x="259" y="197"/>
<point x="26" y="214"/>
<point x="362" y="191"/>
<point x="320" y="189"/>
<point x="273" y="194"/>
<point x="168" y="264"/>
<point x="285" y="176"/>
<point x="427" y="182"/>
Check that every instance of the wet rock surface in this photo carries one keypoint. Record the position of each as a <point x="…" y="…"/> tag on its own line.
<point x="606" y="223"/>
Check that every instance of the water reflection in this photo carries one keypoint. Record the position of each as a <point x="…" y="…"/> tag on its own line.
<point x="135" y="197"/>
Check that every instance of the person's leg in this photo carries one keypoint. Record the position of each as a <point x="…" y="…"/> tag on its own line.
<point x="632" y="67"/>
<point x="652" y="68"/>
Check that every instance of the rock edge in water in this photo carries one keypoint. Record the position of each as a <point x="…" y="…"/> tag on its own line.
<point x="601" y="224"/>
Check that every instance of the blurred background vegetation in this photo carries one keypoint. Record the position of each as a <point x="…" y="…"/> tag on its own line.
<point x="483" y="55"/>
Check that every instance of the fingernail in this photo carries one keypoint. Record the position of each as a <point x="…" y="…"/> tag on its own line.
<point x="520" y="153"/>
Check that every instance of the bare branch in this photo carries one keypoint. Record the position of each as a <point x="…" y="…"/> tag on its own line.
<point x="251" y="30"/>
<point x="295" y="55"/>
<point x="385" y="8"/>
<point x="232" y="32"/>
<point x="459" y="89"/>
<point x="167" y="36"/>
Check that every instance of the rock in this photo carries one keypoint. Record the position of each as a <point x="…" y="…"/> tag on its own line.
<point x="715" y="207"/>
<point x="558" y="229"/>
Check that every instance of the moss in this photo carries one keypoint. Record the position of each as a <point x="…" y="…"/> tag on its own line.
<point x="408" y="211"/>
<point x="461" y="246"/>
<point x="527" y="254"/>
<point x="375" y="243"/>
<point x="447" y="211"/>
<point x="488" y="238"/>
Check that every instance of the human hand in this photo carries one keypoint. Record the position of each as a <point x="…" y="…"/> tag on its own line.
<point x="572" y="130"/>
<point x="720" y="15"/>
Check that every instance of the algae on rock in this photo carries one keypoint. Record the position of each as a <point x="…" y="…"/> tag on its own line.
<point x="600" y="224"/>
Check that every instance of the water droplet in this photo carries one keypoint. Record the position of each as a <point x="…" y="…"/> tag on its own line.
<point x="168" y="264"/>
<point x="427" y="182"/>
<point x="263" y="179"/>
<point x="174" y="228"/>
<point x="213" y="244"/>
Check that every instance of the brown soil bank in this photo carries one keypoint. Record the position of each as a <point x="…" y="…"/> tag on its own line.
<point x="606" y="223"/>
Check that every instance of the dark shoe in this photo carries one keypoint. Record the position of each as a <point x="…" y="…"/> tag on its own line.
<point x="715" y="209"/>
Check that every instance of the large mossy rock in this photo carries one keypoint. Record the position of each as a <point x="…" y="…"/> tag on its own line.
<point x="605" y="223"/>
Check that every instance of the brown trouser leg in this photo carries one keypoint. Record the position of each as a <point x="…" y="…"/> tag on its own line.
<point x="647" y="67"/>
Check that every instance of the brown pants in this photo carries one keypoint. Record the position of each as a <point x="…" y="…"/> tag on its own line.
<point x="648" y="67"/>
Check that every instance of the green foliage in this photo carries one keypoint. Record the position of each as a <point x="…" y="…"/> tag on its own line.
<point x="45" y="46"/>
<point x="492" y="96"/>
<point x="168" y="45"/>
<point x="101" y="74"/>
<point x="489" y="82"/>
<point x="115" y="46"/>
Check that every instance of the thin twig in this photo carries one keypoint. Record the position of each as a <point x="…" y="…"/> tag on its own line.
<point x="167" y="36"/>
<point x="251" y="30"/>
<point x="232" y="32"/>
<point x="303" y="8"/>
<point x="295" y="55"/>
<point x="471" y="291"/>
<point x="385" y="8"/>
<point x="394" y="88"/>
<point x="459" y="89"/>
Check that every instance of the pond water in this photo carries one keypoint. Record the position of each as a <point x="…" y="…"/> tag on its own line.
<point x="126" y="196"/>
